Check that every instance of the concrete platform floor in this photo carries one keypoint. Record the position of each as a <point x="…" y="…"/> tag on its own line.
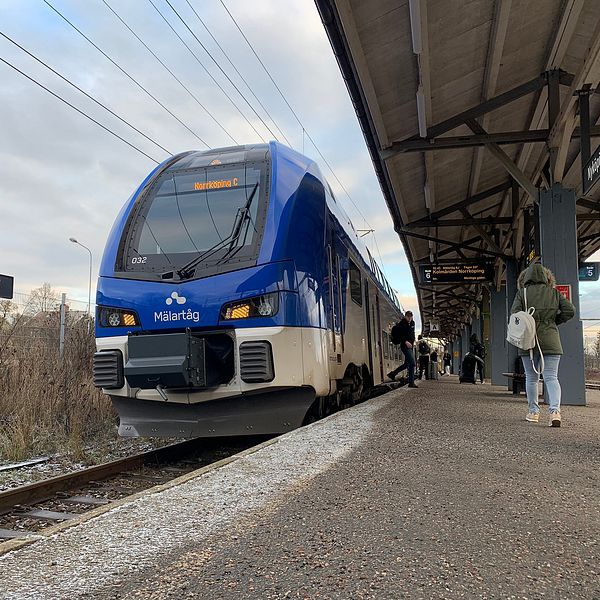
<point x="440" y="492"/>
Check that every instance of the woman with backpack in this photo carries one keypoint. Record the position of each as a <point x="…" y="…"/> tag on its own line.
<point x="537" y="288"/>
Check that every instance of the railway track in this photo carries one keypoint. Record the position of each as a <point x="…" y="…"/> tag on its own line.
<point x="27" y="509"/>
<point x="592" y="385"/>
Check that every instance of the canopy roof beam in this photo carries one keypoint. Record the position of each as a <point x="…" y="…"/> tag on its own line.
<point x="468" y="141"/>
<point x="497" y="189"/>
<point x="462" y="222"/>
<point x="506" y="162"/>
<point x="454" y="245"/>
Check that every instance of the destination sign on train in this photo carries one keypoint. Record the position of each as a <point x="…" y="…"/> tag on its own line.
<point x="216" y="185"/>
<point x="457" y="272"/>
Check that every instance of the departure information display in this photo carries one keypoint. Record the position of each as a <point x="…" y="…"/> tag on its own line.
<point x="6" y="286"/>
<point x="468" y="272"/>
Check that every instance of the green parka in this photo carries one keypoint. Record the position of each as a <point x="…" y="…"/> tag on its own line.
<point x="551" y="309"/>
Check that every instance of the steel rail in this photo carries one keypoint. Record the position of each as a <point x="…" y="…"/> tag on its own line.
<point x="46" y="489"/>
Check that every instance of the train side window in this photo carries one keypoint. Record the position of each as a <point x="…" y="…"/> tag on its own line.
<point x="355" y="283"/>
<point x="386" y="345"/>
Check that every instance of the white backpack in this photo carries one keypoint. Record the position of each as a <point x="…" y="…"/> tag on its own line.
<point x="521" y="332"/>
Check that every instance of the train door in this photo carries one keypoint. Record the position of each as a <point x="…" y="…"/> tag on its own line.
<point x="335" y="302"/>
<point x="369" y="328"/>
<point x="378" y="334"/>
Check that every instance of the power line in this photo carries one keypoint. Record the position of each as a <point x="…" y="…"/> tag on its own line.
<point x="139" y="85"/>
<point x="238" y="73"/>
<point x="293" y="112"/>
<point x="170" y="71"/>
<point x="66" y="80"/>
<point x="205" y="69"/>
<point x="79" y="111"/>
<point x="304" y="130"/>
<point x="220" y="68"/>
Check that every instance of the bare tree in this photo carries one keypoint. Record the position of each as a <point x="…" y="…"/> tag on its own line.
<point x="8" y="310"/>
<point x="42" y="299"/>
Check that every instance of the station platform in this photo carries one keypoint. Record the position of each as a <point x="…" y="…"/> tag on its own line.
<point x="439" y="492"/>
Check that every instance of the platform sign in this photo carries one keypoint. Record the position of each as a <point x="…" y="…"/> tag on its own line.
<point x="6" y="286"/>
<point x="565" y="290"/>
<point x="591" y="171"/>
<point x="467" y="272"/>
<point x="589" y="271"/>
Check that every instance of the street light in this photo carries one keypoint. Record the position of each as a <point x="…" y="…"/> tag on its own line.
<point x="72" y="239"/>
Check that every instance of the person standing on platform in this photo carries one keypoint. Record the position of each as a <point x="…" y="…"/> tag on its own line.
<point x="433" y="364"/>
<point x="447" y="362"/>
<point x="424" y="351"/>
<point x="478" y="349"/>
<point x="403" y="334"/>
<point x="537" y="288"/>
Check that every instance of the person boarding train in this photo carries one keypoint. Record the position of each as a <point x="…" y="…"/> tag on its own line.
<point x="403" y="334"/>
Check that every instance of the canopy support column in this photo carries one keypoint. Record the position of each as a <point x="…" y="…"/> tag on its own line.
<point x="512" y="272"/>
<point x="558" y="241"/>
<point x="498" y="350"/>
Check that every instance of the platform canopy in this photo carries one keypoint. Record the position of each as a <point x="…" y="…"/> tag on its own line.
<point x="468" y="109"/>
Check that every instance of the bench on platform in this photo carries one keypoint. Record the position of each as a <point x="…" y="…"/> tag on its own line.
<point x="518" y="383"/>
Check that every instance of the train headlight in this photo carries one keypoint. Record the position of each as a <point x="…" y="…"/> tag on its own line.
<point x="266" y="305"/>
<point x="117" y="317"/>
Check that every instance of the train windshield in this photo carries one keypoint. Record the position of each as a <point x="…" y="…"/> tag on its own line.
<point x="197" y="222"/>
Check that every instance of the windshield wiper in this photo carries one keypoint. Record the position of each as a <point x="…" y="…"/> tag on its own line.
<point x="241" y="216"/>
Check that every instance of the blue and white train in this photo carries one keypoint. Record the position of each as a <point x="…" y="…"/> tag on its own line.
<point x="235" y="297"/>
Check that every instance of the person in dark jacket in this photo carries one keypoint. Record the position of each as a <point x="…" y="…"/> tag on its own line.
<point x="403" y="334"/>
<point x="478" y="349"/>
<point x="424" y="350"/>
<point x="447" y="362"/>
<point x="537" y="287"/>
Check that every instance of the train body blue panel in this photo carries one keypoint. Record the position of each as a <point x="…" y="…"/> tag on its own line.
<point x="244" y="253"/>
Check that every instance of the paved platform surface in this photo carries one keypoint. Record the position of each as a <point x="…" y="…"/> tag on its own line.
<point x="440" y="492"/>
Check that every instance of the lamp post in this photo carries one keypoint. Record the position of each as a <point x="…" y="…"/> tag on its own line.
<point x="90" y="280"/>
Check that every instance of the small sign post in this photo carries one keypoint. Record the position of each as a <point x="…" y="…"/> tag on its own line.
<point x="565" y="290"/>
<point x="589" y="271"/>
<point x="591" y="171"/>
<point x="6" y="286"/>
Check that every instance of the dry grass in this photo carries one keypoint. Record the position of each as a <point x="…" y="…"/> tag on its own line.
<point x="49" y="404"/>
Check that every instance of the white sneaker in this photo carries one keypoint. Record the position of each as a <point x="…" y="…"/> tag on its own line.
<point x="555" y="419"/>
<point x="533" y="417"/>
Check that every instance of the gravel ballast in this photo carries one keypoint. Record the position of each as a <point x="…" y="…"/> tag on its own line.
<point x="440" y="492"/>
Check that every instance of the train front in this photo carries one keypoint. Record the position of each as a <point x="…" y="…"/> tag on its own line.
<point x="192" y="329"/>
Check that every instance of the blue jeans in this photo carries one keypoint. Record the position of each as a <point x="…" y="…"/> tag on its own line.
<point x="551" y="383"/>
<point x="409" y="363"/>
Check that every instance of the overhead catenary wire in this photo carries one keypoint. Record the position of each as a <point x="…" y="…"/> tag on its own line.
<point x="205" y="69"/>
<point x="69" y="82"/>
<point x="130" y="77"/>
<point x="238" y="73"/>
<point x="186" y="88"/>
<point x="242" y="95"/>
<point x="79" y="111"/>
<point x="304" y="130"/>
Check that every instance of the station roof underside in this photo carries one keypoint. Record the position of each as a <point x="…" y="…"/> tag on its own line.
<point x="468" y="108"/>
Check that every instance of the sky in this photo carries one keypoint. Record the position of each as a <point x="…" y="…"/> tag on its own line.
<point x="63" y="176"/>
